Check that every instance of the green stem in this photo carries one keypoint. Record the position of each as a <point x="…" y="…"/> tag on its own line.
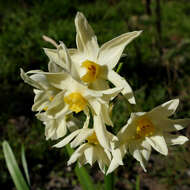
<point x="109" y="181"/>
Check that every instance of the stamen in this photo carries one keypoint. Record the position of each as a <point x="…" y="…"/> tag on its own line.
<point x="76" y="102"/>
<point x="51" y="98"/>
<point x="93" y="71"/>
<point x="144" y="128"/>
<point x="93" y="139"/>
<point x="45" y="108"/>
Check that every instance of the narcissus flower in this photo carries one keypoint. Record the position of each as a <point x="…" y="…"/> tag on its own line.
<point x="149" y="129"/>
<point x="44" y="92"/>
<point x="70" y="96"/>
<point x="56" y="128"/>
<point x="89" y="150"/>
<point x="95" y="64"/>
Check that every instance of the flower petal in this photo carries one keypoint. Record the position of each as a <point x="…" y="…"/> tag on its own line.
<point x="119" y="81"/>
<point x="101" y="132"/>
<point x="164" y="110"/>
<point x="77" y="154"/>
<point x="169" y="125"/>
<point x="158" y="143"/>
<point x="89" y="155"/>
<point x="28" y="80"/>
<point x="86" y="39"/>
<point x="81" y="137"/>
<point x="67" y="139"/>
<point x="118" y="155"/>
<point x="138" y="153"/>
<point x="41" y="100"/>
<point x="176" y="139"/>
<point x="111" y="51"/>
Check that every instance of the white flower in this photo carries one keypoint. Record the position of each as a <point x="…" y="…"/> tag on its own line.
<point x="149" y="129"/>
<point x="95" y="65"/>
<point x="76" y="97"/>
<point x="44" y="92"/>
<point x="90" y="149"/>
<point x="57" y="128"/>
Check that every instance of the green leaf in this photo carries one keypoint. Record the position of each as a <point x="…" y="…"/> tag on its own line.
<point x="109" y="181"/>
<point x="137" y="183"/>
<point x="24" y="163"/>
<point x="84" y="179"/>
<point x="13" y="168"/>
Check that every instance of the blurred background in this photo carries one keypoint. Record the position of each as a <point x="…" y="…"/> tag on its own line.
<point x="157" y="66"/>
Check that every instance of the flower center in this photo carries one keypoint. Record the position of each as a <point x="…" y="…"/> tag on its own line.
<point x="93" y="139"/>
<point x="76" y="102"/>
<point x="144" y="128"/>
<point x="93" y="71"/>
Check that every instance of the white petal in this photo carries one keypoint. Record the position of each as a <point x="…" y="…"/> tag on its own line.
<point x="145" y="150"/>
<point x="61" y="129"/>
<point x="99" y="84"/>
<point x="111" y="93"/>
<point x="41" y="100"/>
<point x="67" y="139"/>
<point x="134" y="150"/>
<point x="176" y="139"/>
<point x="105" y="114"/>
<point x="86" y="39"/>
<point x="54" y="68"/>
<point x="77" y="154"/>
<point x="119" y="81"/>
<point x="64" y="59"/>
<point x="86" y="123"/>
<point x="165" y="110"/>
<point x="54" y="57"/>
<point x="89" y="155"/>
<point x="169" y="125"/>
<point x="28" y="80"/>
<point x="102" y="158"/>
<point x="64" y="55"/>
<point x="41" y="79"/>
<point x="95" y="106"/>
<point x="101" y="132"/>
<point x="60" y="80"/>
<point x="58" y="107"/>
<point x="118" y="155"/>
<point x="81" y="137"/>
<point x="158" y="143"/>
<point x="111" y="51"/>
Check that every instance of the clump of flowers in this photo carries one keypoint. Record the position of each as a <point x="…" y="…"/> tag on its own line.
<point x="78" y="81"/>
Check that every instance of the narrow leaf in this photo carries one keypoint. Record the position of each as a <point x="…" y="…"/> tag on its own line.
<point x="137" y="183"/>
<point x="84" y="179"/>
<point x="24" y="164"/>
<point x="109" y="181"/>
<point x="13" y="168"/>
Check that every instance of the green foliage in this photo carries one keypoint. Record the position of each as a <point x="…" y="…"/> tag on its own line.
<point x="13" y="168"/>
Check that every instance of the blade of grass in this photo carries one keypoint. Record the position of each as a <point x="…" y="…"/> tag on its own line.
<point x="109" y="181"/>
<point x="137" y="183"/>
<point x="13" y="168"/>
<point x="24" y="164"/>
<point x="84" y="179"/>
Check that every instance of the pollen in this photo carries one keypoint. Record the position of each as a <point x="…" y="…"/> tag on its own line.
<point x="45" y="108"/>
<point x="51" y="98"/>
<point x="144" y="128"/>
<point x="93" y="139"/>
<point x="75" y="101"/>
<point x="93" y="70"/>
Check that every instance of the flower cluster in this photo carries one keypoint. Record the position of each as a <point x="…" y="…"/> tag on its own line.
<point x="77" y="82"/>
